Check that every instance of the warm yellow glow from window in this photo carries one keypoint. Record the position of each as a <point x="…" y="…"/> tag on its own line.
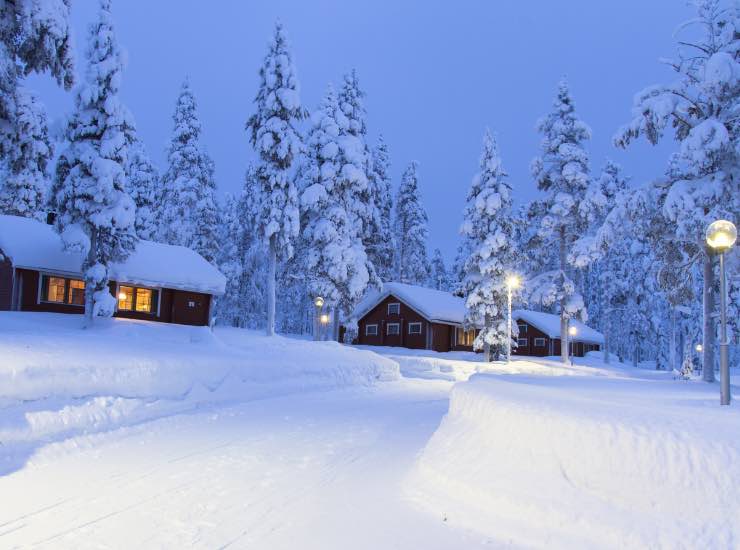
<point x="143" y="300"/>
<point x="121" y="295"/>
<point x="76" y="292"/>
<point x="126" y="298"/>
<point x="55" y="289"/>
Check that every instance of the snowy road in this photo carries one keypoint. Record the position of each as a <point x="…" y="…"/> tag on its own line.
<point x="321" y="470"/>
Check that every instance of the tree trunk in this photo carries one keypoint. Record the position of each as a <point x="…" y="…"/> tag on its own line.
<point x="607" y="338"/>
<point x="271" y="274"/>
<point x="335" y="325"/>
<point x="92" y="256"/>
<point x="708" y="343"/>
<point x="672" y="351"/>
<point x="486" y="345"/>
<point x="563" y="301"/>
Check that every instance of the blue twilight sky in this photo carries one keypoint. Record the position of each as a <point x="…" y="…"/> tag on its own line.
<point x="435" y="73"/>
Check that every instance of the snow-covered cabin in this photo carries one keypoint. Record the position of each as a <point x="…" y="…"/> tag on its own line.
<point x="422" y="318"/>
<point x="157" y="282"/>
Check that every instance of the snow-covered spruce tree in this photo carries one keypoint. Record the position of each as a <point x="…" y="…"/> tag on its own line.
<point x="144" y="188"/>
<point x="94" y="212"/>
<point x="562" y="172"/>
<point x="701" y="106"/>
<point x="35" y="37"/>
<point x="25" y="189"/>
<point x="439" y="277"/>
<point x="457" y="272"/>
<point x="335" y="260"/>
<point x="382" y="248"/>
<point x="410" y="228"/>
<point x="489" y="227"/>
<point x="275" y="136"/>
<point x="188" y="208"/>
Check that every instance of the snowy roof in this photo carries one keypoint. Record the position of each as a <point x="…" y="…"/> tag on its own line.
<point x="550" y="325"/>
<point x="434" y="305"/>
<point x="439" y="306"/>
<point x="34" y="245"/>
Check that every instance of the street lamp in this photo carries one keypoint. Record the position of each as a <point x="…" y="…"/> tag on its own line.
<point x="699" y="348"/>
<point x="319" y="303"/>
<point x="324" y="321"/>
<point x="721" y="235"/>
<point x="512" y="282"/>
<point x="572" y="331"/>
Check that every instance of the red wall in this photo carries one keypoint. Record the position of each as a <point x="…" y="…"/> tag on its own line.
<point x="6" y="283"/>
<point x="379" y="316"/>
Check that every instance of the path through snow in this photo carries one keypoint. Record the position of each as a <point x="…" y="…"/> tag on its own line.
<point x="320" y="470"/>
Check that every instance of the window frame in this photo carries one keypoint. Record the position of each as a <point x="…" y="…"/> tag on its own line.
<point x="519" y="342"/>
<point x="540" y="339"/>
<point x="388" y="328"/>
<point x="415" y="323"/>
<point x="388" y="308"/>
<point x="522" y="327"/>
<point x="156" y="299"/>
<point x="367" y="329"/>
<point x="43" y="290"/>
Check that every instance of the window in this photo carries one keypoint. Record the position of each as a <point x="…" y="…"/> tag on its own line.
<point x="394" y="309"/>
<point x="539" y="342"/>
<point x="134" y="298"/>
<point x="414" y="328"/>
<point x="465" y="337"/>
<point x="522" y="328"/>
<point x="61" y="290"/>
<point x="371" y="330"/>
<point x="522" y="342"/>
<point x="393" y="329"/>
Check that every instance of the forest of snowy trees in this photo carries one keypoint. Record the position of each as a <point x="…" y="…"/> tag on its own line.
<point x="318" y="214"/>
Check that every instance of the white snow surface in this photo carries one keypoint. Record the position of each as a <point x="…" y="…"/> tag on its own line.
<point x="629" y="459"/>
<point x="435" y="305"/>
<point x="35" y="245"/>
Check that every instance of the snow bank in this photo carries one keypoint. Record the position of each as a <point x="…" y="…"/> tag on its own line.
<point x="574" y="462"/>
<point x="58" y="380"/>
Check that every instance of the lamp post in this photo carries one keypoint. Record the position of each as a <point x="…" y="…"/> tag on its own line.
<point x="721" y="235"/>
<point x="512" y="282"/>
<point x="318" y="302"/>
<point x="572" y="331"/>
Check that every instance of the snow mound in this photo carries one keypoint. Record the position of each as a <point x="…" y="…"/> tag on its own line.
<point x="585" y="462"/>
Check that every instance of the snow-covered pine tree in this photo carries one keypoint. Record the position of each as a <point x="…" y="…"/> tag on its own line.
<point x="562" y="172"/>
<point x="94" y="212"/>
<point x="410" y="228"/>
<point x="382" y="248"/>
<point x="274" y="134"/>
<point x="439" y="277"/>
<point x="144" y="188"/>
<point x="188" y="208"/>
<point x="336" y="263"/>
<point x="489" y="228"/>
<point x="35" y="37"/>
<point x="701" y="105"/>
<point x="25" y="189"/>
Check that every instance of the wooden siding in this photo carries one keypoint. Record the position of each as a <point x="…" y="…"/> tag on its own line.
<point x="174" y="305"/>
<point x="552" y="345"/>
<point x="6" y="283"/>
<point x="379" y="316"/>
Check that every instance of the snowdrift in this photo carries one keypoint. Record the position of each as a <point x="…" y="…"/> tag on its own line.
<point x="586" y="462"/>
<point x="58" y="380"/>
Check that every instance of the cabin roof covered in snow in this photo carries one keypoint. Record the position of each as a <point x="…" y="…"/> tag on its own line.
<point x="550" y="325"/>
<point x="443" y="307"/>
<point x="34" y="245"/>
<point x="434" y="305"/>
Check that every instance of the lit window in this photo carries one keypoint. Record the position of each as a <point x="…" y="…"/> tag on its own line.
<point x="371" y="330"/>
<point x="414" y="328"/>
<point x="394" y="309"/>
<point x="55" y="289"/>
<point x="539" y="342"/>
<point x="465" y="337"/>
<point x="76" y="292"/>
<point x="393" y="329"/>
<point x="126" y="298"/>
<point x="522" y="342"/>
<point x="60" y="290"/>
<point x="133" y="298"/>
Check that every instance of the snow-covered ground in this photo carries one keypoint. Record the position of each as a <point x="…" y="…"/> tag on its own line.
<point x="633" y="459"/>
<point x="146" y="435"/>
